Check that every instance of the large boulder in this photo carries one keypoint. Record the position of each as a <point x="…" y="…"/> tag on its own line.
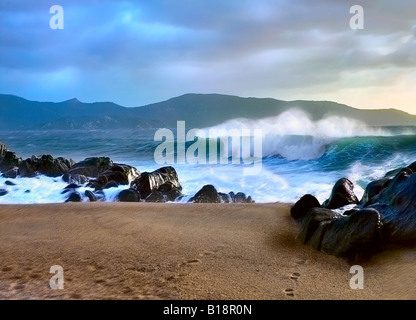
<point x="148" y="182"/>
<point x="169" y="191"/>
<point x="74" y="178"/>
<point x="373" y="189"/>
<point x="90" y="195"/>
<point x="91" y="167"/>
<point x="8" y="160"/>
<point x="129" y="195"/>
<point x="45" y="165"/>
<point x="208" y="194"/>
<point x="122" y="174"/>
<point x="355" y="235"/>
<point x="342" y="194"/>
<point x="397" y="206"/>
<point x="155" y="196"/>
<point x="314" y="225"/>
<point x="74" y="197"/>
<point x="386" y="213"/>
<point x="302" y="207"/>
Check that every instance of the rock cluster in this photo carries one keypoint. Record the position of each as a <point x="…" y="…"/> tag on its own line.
<point x="385" y="214"/>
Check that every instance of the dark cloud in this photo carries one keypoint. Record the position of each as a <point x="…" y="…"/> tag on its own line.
<point x="136" y="52"/>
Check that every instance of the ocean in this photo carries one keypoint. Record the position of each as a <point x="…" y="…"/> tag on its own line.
<point x="297" y="159"/>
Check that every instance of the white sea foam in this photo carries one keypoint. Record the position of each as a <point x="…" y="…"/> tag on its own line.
<point x="294" y="135"/>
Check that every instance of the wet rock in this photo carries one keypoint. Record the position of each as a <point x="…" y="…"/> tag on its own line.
<point x="314" y="225"/>
<point x="111" y="184"/>
<point x="302" y="207"/>
<point x="152" y="181"/>
<point x="373" y="189"/>
<point x="74" y="197"/>
<point x="240" y="197"/>
<point x="342" y="194"/>
<point x="74" y="178"/>
<point x="224" y="197"/>
<point x="91" y="167"/>
<point x="90" y="195"/>
<point x="170" y="191"/>
<point x="129" y="195"/>
<point x="44" y="165"/>
<point x="8" y="160"/>
<point x="155" y="196"/>
<point x="356" y="234"/>
<point x="208" y="194"/>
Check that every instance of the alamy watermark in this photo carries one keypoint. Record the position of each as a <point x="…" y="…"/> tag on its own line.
<point x="217" y="146"/>
<point x="57" y="280"/>
<point x="57" y="20"/>
<point x="357" y="280"/>
<point x="357" y="20"/>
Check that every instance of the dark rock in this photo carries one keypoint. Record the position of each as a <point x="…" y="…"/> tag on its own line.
<point x="74" y="178"/>
<point x="225" y="198"/>
<point x="121" y="174"/>
<point x="302" y="207"/>
<point x="118" y="177"/>
<point x="166" y="187"/>
<point x="26" y="169"/>
<point x="356" y="234"/>
<point x="10" y="174"/>
<point x="129" y="195"/>
<point x="3" y="192"/>
<point x="373" y="189"/>
<point x="51" y="167"/>
<point x="27" y="191"/>
<point x="155" y="196"/>
<point x="9" y="183"/>
<point x="90" y="195"/>
<point x="208" y="194"/>
<point x="9" y="160"/>
<point x="169" y="191"/>
<point x="111" y="184"/>
<point x="386" y="213"/>
<point x="45" y="165"/>
<point x="100" y="195"/>
<point x="92" y="167"/>
<point x="131" y="172"/>
<point x="342" y="194"/>
<point x="314" y="225"/>
<point x="74" y="197"/>
<point x="72" y="186"/>
<point x="149" y="182"/>
<point x="396" y="204"/>
<point x="412" y="167"/>
<point x="240" y="198"/>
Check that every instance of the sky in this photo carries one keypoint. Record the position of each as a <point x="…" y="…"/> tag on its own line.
<point x="138" y="52"/>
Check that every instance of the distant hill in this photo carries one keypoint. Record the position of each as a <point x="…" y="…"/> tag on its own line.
<point x="198" y="110"/>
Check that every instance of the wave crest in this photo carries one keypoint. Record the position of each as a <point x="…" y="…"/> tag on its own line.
<point x="295" y="136"/>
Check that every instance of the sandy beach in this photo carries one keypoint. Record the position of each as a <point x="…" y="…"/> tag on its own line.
<point x="181" y="251"/>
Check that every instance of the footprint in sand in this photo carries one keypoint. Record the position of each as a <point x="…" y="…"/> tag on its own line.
<point x="193" y="261"/>
<point x="290" y="292"/>
<point x="7" y="269"/>
<point x="294" y="276"/>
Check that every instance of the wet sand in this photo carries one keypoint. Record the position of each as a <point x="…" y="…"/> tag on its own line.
<point x="181" y="251"/>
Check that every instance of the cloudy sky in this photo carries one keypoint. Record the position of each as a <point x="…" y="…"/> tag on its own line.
<point x="138" y="52"/>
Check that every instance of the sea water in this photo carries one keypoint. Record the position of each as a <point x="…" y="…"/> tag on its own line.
<point x="299" y="157"/>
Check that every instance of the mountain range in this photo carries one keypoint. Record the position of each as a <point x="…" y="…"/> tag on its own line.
<point x="198" y="110"/>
